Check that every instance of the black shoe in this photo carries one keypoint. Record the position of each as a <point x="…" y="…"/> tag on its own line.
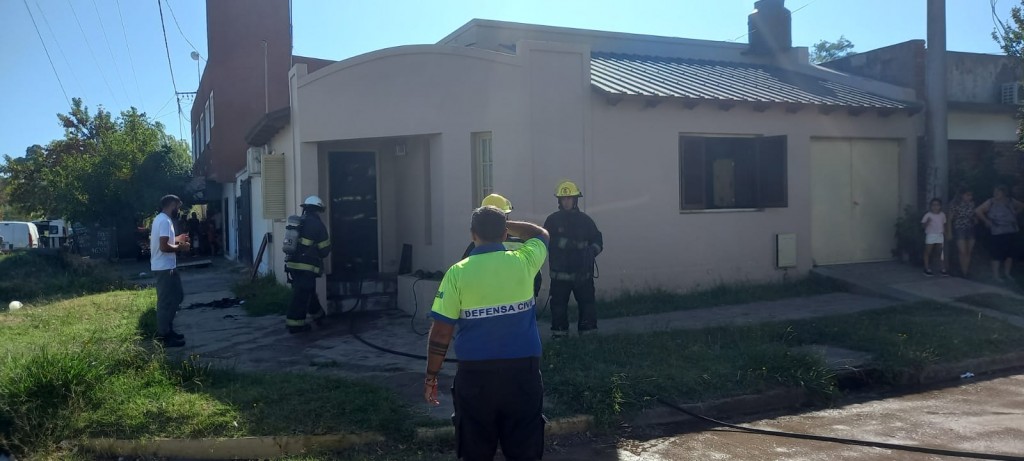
<point x="928" y="273"/>
<point x="303" y="329"/>
<point x="172" y="342"/>
<point x="175" y="335"/>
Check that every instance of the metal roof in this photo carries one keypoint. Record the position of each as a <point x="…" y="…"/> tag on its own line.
<point x="635" y="75"/>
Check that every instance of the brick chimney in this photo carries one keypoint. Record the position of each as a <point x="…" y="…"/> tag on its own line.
<point x="770" y="27"/>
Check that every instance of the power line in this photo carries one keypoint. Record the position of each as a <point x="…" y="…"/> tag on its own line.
<point x="167" y="48"/>
<point x="791" y="13"/>
<point x="131" y="60"/>
<point x="66" y="98"/>
<point x="117" y="70"/>
<point x="46" y="22"/>
<point x="92" y="53"/>
<point x="175" y="18"/>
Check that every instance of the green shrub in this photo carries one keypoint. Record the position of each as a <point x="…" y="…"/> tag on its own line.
<point x="31" y="277"/>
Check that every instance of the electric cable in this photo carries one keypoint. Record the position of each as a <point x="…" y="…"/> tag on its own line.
<point x="844" y="441"/>
<point x="167" y="48"/>
<point x="110" y="50"/>
<point x="92" y="53"/>
<point x="47" y="53"/>
<point x="175" y="18"/>
<point x="131" y="60"/>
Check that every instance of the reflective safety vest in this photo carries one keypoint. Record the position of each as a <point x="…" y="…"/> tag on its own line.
<point x="314" y="246"/>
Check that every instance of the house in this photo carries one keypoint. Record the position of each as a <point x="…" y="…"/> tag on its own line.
<point x="983" y="95"/>
<point x="701" y="161"/>
<point x="250" y="52"/>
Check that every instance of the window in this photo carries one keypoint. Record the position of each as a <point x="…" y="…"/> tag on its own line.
<point x="210" y="104"/>
<point x="202" y="131"/>
<point x="206" y="127"/>
<point x="483" y="166"/>
<point x="732" y="173"/>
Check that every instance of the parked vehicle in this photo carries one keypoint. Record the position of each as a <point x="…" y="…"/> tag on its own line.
<point x="54" y="233"/>
<point x="19" y="235"/>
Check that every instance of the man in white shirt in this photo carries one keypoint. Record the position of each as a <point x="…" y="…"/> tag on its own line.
<point x="163" y="261"/>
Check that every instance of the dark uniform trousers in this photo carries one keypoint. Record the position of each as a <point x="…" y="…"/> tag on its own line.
<point x="304" y="299"/>
<point x="499" y="402"/>
<point x="583" y="290"/>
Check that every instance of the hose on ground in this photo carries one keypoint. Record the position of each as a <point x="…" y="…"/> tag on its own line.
<point x="844" y="441"/>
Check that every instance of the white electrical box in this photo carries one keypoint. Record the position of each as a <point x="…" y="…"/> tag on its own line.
<point x="785" y="251"/>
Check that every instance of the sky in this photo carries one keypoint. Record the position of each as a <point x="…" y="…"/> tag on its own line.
<point x="112" y="53"/>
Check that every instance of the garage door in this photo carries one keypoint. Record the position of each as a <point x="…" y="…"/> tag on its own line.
<point x="855" y="199"/>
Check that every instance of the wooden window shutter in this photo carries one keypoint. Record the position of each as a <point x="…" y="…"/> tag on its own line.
<point x="772" y="177"/>
<point x="273" y="187"/>
<point x="691" y="174"/>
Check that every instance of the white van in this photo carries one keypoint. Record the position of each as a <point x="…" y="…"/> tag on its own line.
<point x="19" y="235"/>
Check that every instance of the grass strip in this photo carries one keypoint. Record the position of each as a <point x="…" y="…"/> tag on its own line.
<point x="995" y="301"/>
<point x="633" y="303"/>
<point x="264" y="296"/>
<point x="78" y="368"/>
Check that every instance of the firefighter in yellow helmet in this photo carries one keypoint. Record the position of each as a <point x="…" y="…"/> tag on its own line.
<point x="575" y="243"/>
<point x="511" y="243"/>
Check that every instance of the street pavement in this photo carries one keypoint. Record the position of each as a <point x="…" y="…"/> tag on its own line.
<point x="978" y="416"/>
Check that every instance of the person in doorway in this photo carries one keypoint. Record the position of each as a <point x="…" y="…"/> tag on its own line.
<point x="999" y="214"/>
<point x="935" y="225"/>
<point x="512" y="243"/>
<point x="163" y="261"/>
<point x="575" y="243"/>
<point x="305" y="266"/>
<point x="193" y="231"/>
<point x="961" y="224"/>
<point x="498" y="392"/>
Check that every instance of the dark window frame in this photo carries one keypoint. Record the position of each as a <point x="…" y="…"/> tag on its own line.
<point x="760" y="171"/>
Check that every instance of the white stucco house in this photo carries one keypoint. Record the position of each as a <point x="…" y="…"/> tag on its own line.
<point x="701" y="161"/>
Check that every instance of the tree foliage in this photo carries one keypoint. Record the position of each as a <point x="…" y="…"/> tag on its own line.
<point x="825" y="51"/>
<point x="104" y="170"/>
<point x="1010" y="37"/>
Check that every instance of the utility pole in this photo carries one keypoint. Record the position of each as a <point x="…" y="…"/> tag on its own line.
<point x="935" y="87"/>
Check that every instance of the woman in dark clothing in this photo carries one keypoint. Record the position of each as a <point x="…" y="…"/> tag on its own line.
<point x="999" y="214"/>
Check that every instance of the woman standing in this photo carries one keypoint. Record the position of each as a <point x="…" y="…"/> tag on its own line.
<point x="962" y="222"/>
<point x="999" y="213"/>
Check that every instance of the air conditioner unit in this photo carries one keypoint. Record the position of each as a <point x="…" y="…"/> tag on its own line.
<point x="1013" y="93"/>
<point x="254" y="159"/>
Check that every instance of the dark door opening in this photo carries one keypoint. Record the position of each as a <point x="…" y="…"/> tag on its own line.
<point x="245" y="223"/>
<point x="353" y="219"/>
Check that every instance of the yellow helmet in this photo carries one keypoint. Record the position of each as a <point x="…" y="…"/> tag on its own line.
<point x="498" y="202"/>
<point x="568" y="189"/>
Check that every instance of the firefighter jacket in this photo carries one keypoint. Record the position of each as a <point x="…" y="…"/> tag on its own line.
<point x="314" y="246"/>
<point x="575" y="243"/>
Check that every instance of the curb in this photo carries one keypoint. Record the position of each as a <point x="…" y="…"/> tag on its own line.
<point x="558" y="426"/>
<point x="240" y="448"/>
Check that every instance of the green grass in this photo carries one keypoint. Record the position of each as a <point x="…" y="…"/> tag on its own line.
<point x="264" y="296"/>
<point x="660" y="301"/>
<point x="36" y="277"/>
<point x="77" y="368"/>
<point x="995" y="301"/>
<point x="611" y="376"/>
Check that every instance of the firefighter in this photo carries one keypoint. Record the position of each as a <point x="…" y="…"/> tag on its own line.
<point x="305" y="265"/>
<point x="511" y="243"/>
<point x="575" y="243"/>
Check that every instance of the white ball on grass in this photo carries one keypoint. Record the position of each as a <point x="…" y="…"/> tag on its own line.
<point x="14" y="305"/>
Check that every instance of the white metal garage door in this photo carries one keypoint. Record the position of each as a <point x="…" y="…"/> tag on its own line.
<point x="855" y="199"/>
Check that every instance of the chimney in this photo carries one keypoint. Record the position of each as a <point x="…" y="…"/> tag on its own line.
<point x="770" y="27"/>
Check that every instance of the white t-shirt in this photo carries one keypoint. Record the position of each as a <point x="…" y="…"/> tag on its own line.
<point x="158" y="260"/>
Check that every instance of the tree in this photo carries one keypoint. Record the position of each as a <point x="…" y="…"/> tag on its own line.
<point x="94" y="174"/>
<point x="825" y="51"/>
<point x="1010" y="37"/>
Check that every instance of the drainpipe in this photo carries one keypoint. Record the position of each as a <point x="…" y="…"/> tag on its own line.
<point x="935" y="87"/>
<point x="266" y="85"/>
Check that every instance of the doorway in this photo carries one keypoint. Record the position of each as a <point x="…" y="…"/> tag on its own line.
<point x="353" y="210"/>
<point x="854" y="199"/>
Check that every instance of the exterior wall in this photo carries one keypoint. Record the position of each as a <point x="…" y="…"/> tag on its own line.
<point x="282" y="144"/>
<point x="980" y="126"/>
<point x="901" y="64"/>
<point x="634" y="192"/>
<point x="978" y="78"/>
<point x="234" y="73"/>
<point x="230" y="224"/>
